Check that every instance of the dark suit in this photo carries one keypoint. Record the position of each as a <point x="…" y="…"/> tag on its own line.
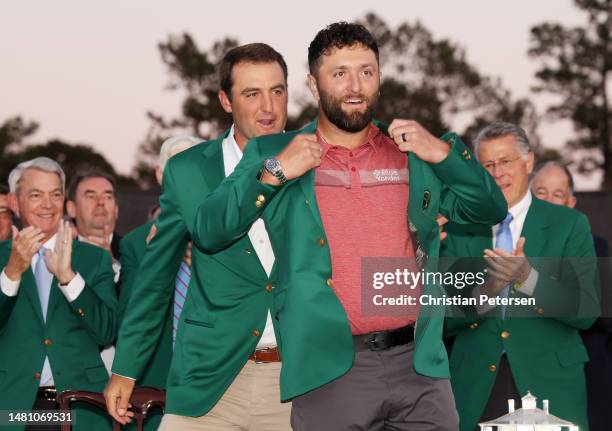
<point x="598" y="342"/>
<point x="115" y="242"/>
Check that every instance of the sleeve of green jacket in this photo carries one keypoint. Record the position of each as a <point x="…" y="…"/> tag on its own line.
<point x="571" y="296"/>
<point x="470" y="194"/>
<point x="151" y="289"/>
<point x="6" y="308"/>
<point x="97" y="303"/>
<point x="227" y="213"/>
<point x="128" y="257"/>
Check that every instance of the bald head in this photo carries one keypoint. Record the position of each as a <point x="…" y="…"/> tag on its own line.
<point x="553" y="182"/>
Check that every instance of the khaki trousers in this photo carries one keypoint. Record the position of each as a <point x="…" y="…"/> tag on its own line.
<point x="251" y="403"/>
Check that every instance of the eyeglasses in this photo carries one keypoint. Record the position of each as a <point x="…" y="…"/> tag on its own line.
<point x="502" y="164"/>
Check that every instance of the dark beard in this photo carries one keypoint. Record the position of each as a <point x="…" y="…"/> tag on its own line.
<point x="352" y="123"/>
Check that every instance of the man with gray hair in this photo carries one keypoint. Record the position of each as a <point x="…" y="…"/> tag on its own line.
<point x="57" y="302"/>
<point x="499" y="354"/>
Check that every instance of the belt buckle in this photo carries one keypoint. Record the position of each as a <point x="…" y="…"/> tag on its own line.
<point x="49" y="394"/>
<point x="255" y="355"/>
<point x="377" y="344"/>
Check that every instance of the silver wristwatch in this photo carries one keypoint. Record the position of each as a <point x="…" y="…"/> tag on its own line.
<point x="274" y="167"/>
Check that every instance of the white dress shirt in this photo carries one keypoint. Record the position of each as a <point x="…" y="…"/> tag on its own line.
<point x="519" y="213"/>
<point x="257" y="234"/>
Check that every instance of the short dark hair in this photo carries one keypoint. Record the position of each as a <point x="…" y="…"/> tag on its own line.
<point x="4" y="190"/>
<point x="250" y="53"/>
<point x="339" y="35"/>
<point x="83" y="175"/>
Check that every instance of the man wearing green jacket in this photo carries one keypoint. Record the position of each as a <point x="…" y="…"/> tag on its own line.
<point x="57" y="303"/>
<point x="540" y="251"/>
<point x="339" y="190"/>
<point x="131" y="252"/>
<point x="225" y="360"/>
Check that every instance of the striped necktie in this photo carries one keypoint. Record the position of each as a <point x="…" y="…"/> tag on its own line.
<point x="503" y="240"/>
<point x="43" y="283"/>
<point x="180" y="293"/>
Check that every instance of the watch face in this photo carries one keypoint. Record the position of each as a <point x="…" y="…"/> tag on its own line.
<point x="272" y="165"/>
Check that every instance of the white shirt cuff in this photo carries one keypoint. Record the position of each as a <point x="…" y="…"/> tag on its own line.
<point x="125" y="377"/>
<point x="481" y="308"/>
<point x="116" y="270"/>
<point x="529" y="285"/>
<point x="8" y="286"/>
<point x="73" y="289"/>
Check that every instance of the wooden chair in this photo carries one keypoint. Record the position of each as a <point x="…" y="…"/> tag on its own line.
<point x="143" y="400"/>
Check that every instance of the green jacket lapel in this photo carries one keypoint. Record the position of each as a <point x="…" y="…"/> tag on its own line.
<point x="28" y="284"/>
<point x="54" y="298"/>
<point x="212" y="167"/>
<point x="307" y="180"/>
<point x="534" y="230"/>
<point x="213" y="171"/>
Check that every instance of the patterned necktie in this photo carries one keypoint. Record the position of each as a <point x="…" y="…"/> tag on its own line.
<point x="180" y="293"/>
<point x="43" y="283"/>
<point x="503" y="241"/>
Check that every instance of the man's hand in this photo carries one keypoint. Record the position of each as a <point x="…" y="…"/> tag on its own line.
<point x="441" y="222"/>
<point x="102" y="242"/>
<point x="187" y="257"/>
<point x="117" y="395"/>
<point x="505" y="268"/>
<point x="25" y="245"/>
<point x="301" y="155"/>
<point x="59" y="259"/>
<point x="410" y="136"/>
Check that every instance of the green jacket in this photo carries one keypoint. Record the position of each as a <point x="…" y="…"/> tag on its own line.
<point x="76" y="331"/>
<point x="546" y="354"/>
<point x="131" y="251"/>
<point x="315" y="337"/>
<point x="227" y="303"/>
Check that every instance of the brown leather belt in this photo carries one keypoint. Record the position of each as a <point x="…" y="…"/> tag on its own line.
<point x="265" y="355"/>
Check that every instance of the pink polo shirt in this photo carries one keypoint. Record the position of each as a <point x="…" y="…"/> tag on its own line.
<point x="362" y="196"/>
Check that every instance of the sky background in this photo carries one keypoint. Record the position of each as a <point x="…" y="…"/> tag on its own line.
<point x="88" y="72"/>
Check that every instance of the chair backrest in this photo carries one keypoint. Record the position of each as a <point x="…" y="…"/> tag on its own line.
<point x="143" y="400"/>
